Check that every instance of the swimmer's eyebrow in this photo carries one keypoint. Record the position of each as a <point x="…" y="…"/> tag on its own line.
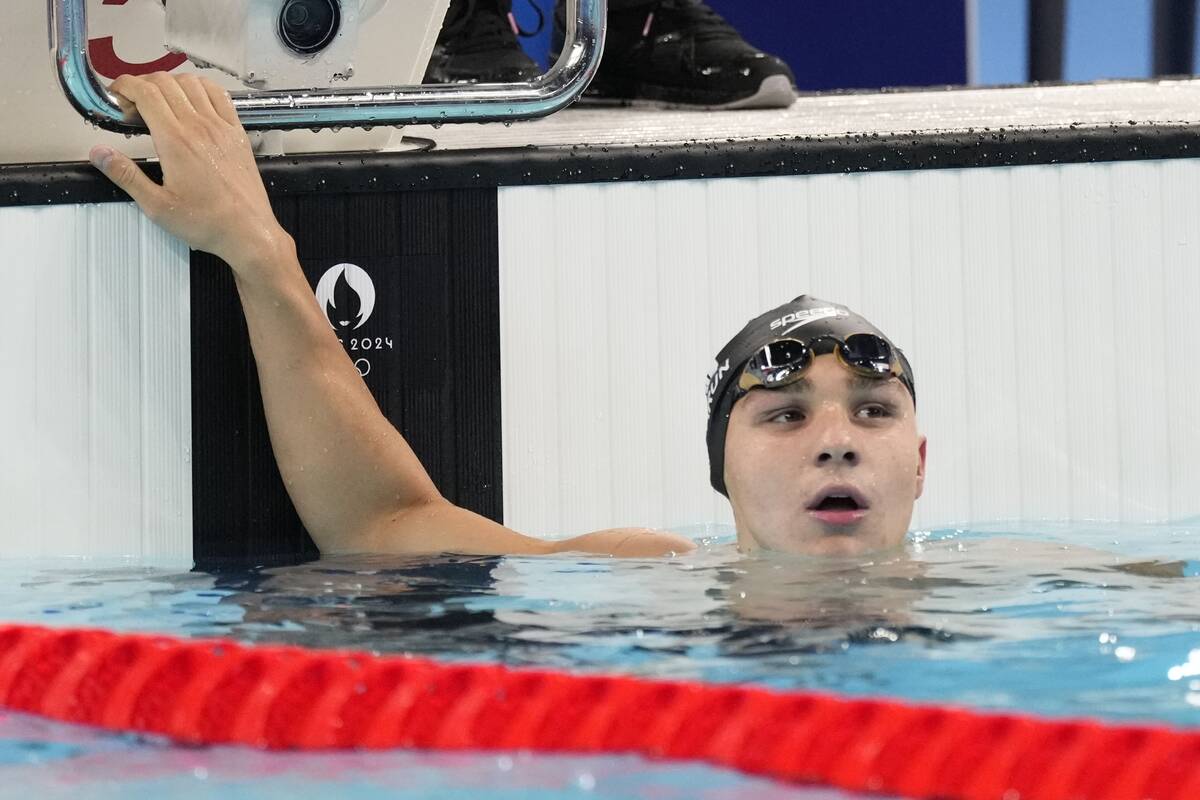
<point x="799" y="386"/>
<point x="858" y="383"/>
<point x="861" y="383"/>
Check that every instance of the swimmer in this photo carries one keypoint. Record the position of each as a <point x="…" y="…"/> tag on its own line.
<point x="812" y="432"/>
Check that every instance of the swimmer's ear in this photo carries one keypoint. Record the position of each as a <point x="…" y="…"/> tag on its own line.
<point x="921" y="467"/>
<point x="121" y="170"/>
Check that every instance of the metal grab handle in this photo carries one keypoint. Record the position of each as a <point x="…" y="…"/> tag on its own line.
<point x="361" y="107"/>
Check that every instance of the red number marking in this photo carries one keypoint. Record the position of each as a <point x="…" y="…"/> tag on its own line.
<point x="110" y="65"/>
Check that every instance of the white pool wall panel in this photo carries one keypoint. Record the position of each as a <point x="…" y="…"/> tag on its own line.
<point x="95" y="356"/>
<point x="1180" y="210"/>
<point x="1050" y="312"/>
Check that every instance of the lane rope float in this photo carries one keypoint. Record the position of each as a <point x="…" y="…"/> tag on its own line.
<point x="290" y="698"/>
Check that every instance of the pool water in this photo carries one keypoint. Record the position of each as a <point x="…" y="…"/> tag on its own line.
<point x="46" y="760"/>
<point x="1065" y="621"/>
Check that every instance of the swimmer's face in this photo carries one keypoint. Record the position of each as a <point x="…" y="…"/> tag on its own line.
<point x="830" y="465"/>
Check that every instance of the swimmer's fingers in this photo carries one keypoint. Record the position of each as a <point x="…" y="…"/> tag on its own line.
<point x="193" y="87"/>
<point x="119" y="169"/>
<point x="149" y="101"/>
<point x="211" y="196"/>
<point x="179" y="101"/>
<point x="221" y="102"/>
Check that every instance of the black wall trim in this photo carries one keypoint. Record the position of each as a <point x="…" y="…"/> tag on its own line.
<point x="474" y="169"/>
<point x="430" y="347"/>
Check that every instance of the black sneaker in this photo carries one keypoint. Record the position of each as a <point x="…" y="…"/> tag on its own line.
<point x="478" y="44"/>
<point x="682" y="53"/>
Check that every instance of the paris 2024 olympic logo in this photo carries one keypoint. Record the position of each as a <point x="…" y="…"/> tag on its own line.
<point x="346" y="294"/>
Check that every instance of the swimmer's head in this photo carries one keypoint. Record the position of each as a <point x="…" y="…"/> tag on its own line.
<point x="812" y="432"/>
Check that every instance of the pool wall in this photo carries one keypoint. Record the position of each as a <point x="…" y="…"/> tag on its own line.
<point x="545" y="317"/>
<point x="95" y="410"/>
<point x="1048" y="310"/>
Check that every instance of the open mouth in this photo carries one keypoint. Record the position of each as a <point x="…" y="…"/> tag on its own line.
<point x="839" y="505"/>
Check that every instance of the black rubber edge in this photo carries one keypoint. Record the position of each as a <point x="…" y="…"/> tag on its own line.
<point x="36" y="184"/>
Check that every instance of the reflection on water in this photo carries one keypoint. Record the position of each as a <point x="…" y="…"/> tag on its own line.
<point x="1062" y="622"/>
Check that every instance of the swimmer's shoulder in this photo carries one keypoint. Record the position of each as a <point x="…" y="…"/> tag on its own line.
<point x="628" y="543"/>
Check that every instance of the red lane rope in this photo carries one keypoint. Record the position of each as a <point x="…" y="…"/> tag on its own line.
<point x="220" y="692"/>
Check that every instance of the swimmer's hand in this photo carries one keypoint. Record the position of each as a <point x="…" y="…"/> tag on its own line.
<point x="211" y="196"/>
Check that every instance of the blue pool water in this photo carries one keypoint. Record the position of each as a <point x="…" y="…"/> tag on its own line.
<point x="1099" y="621"/>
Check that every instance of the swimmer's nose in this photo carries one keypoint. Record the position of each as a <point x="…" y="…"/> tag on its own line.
<point x="831" y="455"/>
<point x="836" y="447"/>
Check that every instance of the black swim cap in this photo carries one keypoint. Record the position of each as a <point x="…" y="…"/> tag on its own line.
<point x="805" y="318"/>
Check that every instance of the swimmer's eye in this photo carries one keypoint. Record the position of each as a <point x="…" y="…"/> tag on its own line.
<point x="786" y="415"/>
<point x="876" y="411"/>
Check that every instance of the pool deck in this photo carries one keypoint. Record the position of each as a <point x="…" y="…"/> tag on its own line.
<point x="848" y="132"/>
<point x="841" y="115"/>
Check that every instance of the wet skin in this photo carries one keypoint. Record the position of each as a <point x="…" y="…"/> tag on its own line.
<point x="834" y="434"/>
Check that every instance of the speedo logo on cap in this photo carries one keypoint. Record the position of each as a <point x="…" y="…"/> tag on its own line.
<point x="797" y="319"/>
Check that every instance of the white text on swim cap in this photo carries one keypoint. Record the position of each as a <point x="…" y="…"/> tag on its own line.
<point x="800" y="318"/>
<point x="715" y="379"/>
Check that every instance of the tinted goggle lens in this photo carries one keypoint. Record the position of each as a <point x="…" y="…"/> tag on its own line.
<point x="868" y="354"/>
<point x="783" y="361"/>
<point x="776" y="364"/>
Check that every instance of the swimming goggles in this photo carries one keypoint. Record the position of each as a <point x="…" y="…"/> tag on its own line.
<point x="784" y="361"/>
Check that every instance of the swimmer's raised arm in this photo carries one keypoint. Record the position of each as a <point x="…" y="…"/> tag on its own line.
<point x="355" y="482"/>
